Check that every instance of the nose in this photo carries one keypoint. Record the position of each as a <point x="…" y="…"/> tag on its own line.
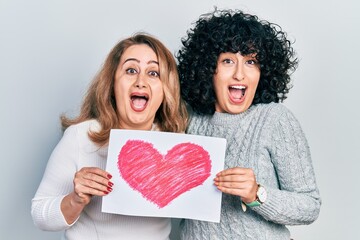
<point x="239" y="72"/>
<point x="140" y="81"/>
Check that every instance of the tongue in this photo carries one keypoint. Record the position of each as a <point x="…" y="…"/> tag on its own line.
<point x="236" y="93"/>
<point x="139" y="102"/>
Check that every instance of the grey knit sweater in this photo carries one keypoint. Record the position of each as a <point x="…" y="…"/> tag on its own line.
<point x="268" y="139"/>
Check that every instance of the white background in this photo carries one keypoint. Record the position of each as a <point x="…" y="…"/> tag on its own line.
<point x="50" y="50"/>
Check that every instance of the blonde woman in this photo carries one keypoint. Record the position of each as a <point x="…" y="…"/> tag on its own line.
<point x="137" y="88"/>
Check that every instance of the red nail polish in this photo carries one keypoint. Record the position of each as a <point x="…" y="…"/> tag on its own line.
<point x="110" y="184"/>
<point x="106" y="192"/>
<point x="109" y="189"/>
<point x="109" y="176"/>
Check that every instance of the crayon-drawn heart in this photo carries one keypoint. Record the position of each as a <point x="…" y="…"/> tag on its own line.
<point x="160" y="179"/>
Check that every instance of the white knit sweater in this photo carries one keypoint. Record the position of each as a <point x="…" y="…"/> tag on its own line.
<point x="74" y="151"/>
<point x="268" y="139"/>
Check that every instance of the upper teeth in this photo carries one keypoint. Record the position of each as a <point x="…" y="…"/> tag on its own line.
<point x="238" y="87"/>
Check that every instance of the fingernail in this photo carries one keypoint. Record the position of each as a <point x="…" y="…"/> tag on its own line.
<point x="109" y="176"/>
<point x="106" y="192"/>
<point x="109" y="189"/>
<point x="110" y="184"/>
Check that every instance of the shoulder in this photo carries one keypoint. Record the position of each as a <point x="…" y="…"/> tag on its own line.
<point x="196" y="122"/>
<point x="196" y="119"/>
<point x="275" y="116"/>
<point x="274" y="110"/>
<point x="272" y="107"/>
<point x="92" y="125"/>
<point x="282" y="118"/>
<point x="77" y="136"/>
<point x="81" y="130"/>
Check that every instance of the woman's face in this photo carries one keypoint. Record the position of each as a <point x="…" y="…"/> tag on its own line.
<point x="235" y="82"/>
<point x="138" y="88"/>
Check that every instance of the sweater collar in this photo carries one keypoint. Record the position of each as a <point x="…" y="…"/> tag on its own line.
<point x="220" y="118"/>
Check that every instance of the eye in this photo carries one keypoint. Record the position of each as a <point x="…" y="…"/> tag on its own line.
<point x="131" y="71"/>
<point x="154" y="74"/>
<point x="251" y="62"/>
<point x="227" y="61"/>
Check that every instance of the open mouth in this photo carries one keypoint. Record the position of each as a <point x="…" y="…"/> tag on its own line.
<point x="237" y="93"/>
<point x="139" y="101"/>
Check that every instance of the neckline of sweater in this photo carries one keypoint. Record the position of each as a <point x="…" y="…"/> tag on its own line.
<point x="220" y="118"/>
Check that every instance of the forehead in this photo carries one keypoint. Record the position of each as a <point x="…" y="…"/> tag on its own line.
<point x="139" y="52"/>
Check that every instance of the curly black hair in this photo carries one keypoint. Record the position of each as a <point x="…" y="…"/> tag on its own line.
<point x="234" y="31"/>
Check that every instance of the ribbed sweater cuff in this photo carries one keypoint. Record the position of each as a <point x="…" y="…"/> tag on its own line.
<point x="271" y="207"/>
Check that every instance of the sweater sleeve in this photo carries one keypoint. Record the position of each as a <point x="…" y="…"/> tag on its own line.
<point x="56" y="184"/>
<point x="297" y="201"/>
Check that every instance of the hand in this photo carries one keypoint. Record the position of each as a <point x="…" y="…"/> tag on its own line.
<point x="91" y="181"/>
<point x="88" y="182"/>
<point x="238" y="181"/>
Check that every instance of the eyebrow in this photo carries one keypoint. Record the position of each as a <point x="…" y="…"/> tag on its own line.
<point x="138" y="61"/>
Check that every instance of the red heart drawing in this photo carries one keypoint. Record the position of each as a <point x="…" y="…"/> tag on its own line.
<point x="160" y="179"/>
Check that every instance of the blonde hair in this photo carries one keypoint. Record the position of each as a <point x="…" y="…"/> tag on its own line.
<point x="99" y="102"/>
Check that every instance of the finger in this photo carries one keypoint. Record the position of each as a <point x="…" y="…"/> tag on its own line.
<point x="231" y="178"/>
<point x="93" y="180"/>
<point x="242" y="190"/>
<point x="97" y="171"/>
<point x="88" y="181"/>
<point x="232" y="191"/>
<point x="92" y="189"/>
<point x="233" y="171"/>
<point x="238" y="174"/>
<point x="236" y="185"/>
<point x="95" y="183"/>
<point x="96" y="175"/>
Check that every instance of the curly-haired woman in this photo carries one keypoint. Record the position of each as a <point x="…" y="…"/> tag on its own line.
<point x="234" y="70"/>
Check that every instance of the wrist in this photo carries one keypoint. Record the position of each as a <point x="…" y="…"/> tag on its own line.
<point x="260" y="198"/>
<point x="71" y="208"/>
